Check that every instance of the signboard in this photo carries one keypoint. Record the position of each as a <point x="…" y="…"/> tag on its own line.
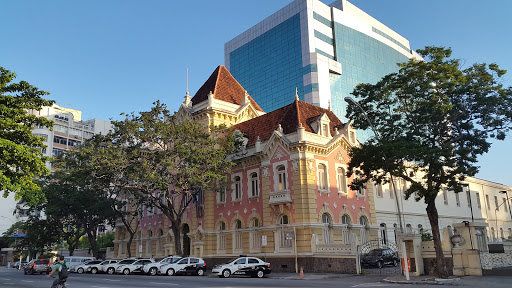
<point x="19" y="235"/>
<point x="264" y="240"/>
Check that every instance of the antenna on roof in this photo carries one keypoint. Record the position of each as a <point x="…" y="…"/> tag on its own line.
<point x="296" y="94"/>
<point x="187" y="80"/>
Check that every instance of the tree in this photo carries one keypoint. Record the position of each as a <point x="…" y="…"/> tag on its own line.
<point x="41" y="235"/>
<point x="168" y="163"/>
<point x="21" y="159"/>
<point x="434" y="119"/>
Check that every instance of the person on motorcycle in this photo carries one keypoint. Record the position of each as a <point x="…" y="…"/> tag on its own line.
<point x="62" y="268"/>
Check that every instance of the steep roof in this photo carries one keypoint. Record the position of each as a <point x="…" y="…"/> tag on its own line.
<point x="289" y="117"/>
<point x="224" y="87"/>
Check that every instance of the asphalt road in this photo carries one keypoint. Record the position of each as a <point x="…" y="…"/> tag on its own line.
<point x="13" y="278"/>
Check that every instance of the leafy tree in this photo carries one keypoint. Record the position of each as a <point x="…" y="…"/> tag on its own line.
<point x="21" y="159"/>
<point x="433" y="119"/>
<point x="167" y="163"/>
<point x="7" y="235"/>
<point x="41" y="235"/>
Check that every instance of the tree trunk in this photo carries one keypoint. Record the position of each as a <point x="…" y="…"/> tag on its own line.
<point x="129" y="244"/>
<point x="175" y="227"/>
<point x="433" y="217"/>
<point x="91" y="236"/>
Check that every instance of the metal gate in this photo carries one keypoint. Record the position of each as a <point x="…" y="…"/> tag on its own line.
<point x="379" y="257"/>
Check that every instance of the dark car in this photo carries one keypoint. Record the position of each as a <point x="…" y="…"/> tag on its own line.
<point x="379" y="258"/>
<point x="37" y="266"/>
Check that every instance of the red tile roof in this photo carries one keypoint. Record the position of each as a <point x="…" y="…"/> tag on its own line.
<point x="224" y="87"/>
<point x="289" y="117"/>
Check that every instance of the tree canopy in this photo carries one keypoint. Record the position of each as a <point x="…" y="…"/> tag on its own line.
<point x="21" y="160"/>
<point x="433" y="119"/>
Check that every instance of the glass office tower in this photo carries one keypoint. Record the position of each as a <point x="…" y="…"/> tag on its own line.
<point x="322" y="50"/>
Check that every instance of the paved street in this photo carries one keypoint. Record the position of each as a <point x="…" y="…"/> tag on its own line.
<point x="14" y="278"/>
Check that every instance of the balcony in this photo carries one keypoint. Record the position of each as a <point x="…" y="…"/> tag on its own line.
<point x="280" y="197"/>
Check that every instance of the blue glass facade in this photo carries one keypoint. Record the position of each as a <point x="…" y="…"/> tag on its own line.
<point x="364" y="60"/>
<point x="270" y="66"/>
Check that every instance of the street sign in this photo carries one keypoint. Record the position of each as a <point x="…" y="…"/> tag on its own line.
<point x="19" y="235"/>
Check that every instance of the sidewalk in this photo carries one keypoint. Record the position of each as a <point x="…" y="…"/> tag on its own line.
<point x="308" y="276"/>
<point x="424" y="279"/>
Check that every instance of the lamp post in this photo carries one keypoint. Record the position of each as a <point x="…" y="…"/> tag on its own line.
<point x="377" y="135"/>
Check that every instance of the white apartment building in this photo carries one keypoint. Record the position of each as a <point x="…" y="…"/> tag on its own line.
<point x="68" y="131"/>
<point x="480" y="201"/>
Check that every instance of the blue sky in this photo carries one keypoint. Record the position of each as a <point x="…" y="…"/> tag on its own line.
<point x="109" y="57"/>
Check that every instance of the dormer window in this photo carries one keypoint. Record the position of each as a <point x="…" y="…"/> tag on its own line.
<point x="321" y="125"/>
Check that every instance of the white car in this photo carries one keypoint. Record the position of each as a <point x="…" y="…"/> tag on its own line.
<point x="244" y="265"/>
<point x="153" y="268"/>
<point x="99" y="267"/>
<point x="135" y="267"/>
<point x="81" y="268"/>
<point x="187" y="265"/>
<point x="111" y="268"/>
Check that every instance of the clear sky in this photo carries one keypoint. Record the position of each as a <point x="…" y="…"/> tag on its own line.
<point x="109" y="57"/>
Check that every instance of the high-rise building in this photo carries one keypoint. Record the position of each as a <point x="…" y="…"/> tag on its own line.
<point x="321" y="50"/>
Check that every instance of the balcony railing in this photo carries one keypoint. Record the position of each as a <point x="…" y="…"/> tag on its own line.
<point x="280" y="197"/>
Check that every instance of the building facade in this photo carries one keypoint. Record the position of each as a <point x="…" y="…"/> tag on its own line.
<point x="322" y="50"/>
<point x="287" y="197"/>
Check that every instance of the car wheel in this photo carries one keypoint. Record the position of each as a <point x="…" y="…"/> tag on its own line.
<point x="200" y="272"/>
<point x="94" y="270"/>
<point x="260" y="274"/>
<point x="395" y="263"/>
<point x="110" y="271"/>
<point x="25" y="272"/>
<point x="153" y="271"/>
<point x="226" y="273"/>
<point x="80" y="270"/>
<point x="379" y="264"/>
<point x="126" y="271"/>
<point x="31" y="272"/>
<point x="170" y="272"/>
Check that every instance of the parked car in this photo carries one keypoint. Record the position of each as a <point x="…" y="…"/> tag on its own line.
<point x="154" y="268"/>
<point x="37" y="266"/>
<point x="111" y="268"/>
<point x="187" y="265"/>
<point x="134" y="267"/>
<point x="17" y="264"/>
<point x="379" y="258"/>
<point x="97" y="268"/>
<point x="243" y="265"/>
<point x="81" y="268"/>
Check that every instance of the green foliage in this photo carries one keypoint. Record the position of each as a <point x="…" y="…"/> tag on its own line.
<point x="7" y="235"/>
<point x="102" y="241"/>
<point x="425" y="236"/>
<point x="433" y="119"/>
<point x="21" y="159"/>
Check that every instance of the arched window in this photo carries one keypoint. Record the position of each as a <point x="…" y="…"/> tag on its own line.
<point x="364" y="231"/>
<point x="238" y="235"/>
<point x="255" y="234"/>
<point x="281" y="178"/>
<point x="254" y="185"/>
<point x="326" y="232"/>
<point x="383" y="233"/>
<point x="284" y="235"/>
<point x="342" y="180"/>
<point x="345" y="219"/>
<point x="363" y="220"/>
<point x="493" y="236"/>
<point x="221" y="240"/>
<point x="150" y="233"/>
<point x="237" y="188"/>
<point x="322" y="177"/>
<point x="501" y="233"/>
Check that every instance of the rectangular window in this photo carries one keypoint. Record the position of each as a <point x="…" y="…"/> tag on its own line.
<point x="222" y="196"/>
<point x="496" y="203"/>
<point x="478" y="203"/>
<point x="487" y="202"/>
<point x="445" y="197"/>
<point x="457" y="199"/>
<point x="468" y="196"/>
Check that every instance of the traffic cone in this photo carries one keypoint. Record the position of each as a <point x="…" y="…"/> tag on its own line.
<point x="301" y="273"/>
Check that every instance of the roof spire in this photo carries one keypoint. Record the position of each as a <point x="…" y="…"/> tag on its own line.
<point x="246" y="98"/>
<point x="329" y="105"/>
<point x="187" y="96"/>
<point x="296" y="94"/>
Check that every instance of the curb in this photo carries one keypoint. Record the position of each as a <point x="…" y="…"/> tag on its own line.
<point x="436" y="281"/>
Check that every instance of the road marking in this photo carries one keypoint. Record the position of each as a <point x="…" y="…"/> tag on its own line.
<point x="172" y="284"/>
<point x="375" y="284"/>
<point x="5" y="279"/>
<point x="100" y="286"/>
<point x="30" y="281"/>
<point x="113" y="280"/>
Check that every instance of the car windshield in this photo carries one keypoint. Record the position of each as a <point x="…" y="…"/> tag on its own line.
<point x="127" y="261"/>
<point x="374" y="253"/>
<point x="233" y="260"/>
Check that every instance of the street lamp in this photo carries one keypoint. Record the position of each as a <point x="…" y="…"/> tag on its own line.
<point x="377" y="135"/>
